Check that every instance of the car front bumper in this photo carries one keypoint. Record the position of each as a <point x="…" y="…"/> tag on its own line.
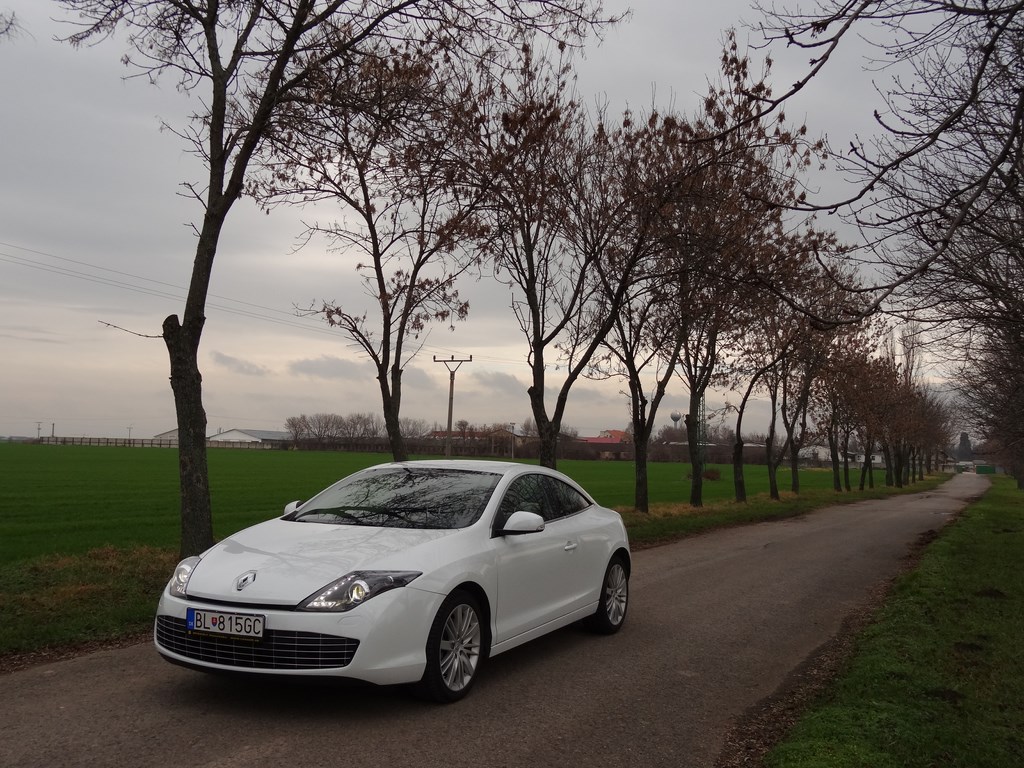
<point x="382" y="641"/>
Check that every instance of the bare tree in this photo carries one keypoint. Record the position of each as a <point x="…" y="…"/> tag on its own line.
<point x="297" y="427"/>
<point x="392" y="167"/>
<point x="555" y="204"/>
<point x="414" y="428"/>
<point x="736" y="239"/>
<point x="324" y="428"/>
<point x="834" y="406"/>
<point x="950" y="137"/>
<point x="643" y="345"/>
<point x="766" y="344"/>
<point x="245" y="62"/>
<point x="991" y="392"/>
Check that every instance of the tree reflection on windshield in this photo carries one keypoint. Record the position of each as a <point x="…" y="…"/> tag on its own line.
<point x="403" y="497"/>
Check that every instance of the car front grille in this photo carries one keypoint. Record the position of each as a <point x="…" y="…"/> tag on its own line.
<point x="279" y="649"/>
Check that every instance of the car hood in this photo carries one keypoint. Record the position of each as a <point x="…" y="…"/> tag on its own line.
<point x="292" y="560"/>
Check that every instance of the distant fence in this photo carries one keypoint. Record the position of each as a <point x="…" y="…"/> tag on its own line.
<point x="489" y="447"/>
<point x="111" y="441"/>
<point x="122" y="442"/>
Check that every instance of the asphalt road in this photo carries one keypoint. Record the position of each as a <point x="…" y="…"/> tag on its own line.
<point x="717" y="623"/>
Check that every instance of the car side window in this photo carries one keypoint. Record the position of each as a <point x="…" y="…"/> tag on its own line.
<point x="525" y="493"/>
<point x="567" y="499"/>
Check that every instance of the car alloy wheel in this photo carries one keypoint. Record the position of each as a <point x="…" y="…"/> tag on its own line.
<point x="616" y="593"/>
<point x="614" y="599"/>
<point x="456" y="646"/>
<point x="460" y="647"/>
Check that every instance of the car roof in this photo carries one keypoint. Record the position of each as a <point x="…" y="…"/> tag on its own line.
<point x="469" y="465"/>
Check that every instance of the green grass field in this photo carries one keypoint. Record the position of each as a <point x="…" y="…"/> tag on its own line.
<point x="70" y="499"/>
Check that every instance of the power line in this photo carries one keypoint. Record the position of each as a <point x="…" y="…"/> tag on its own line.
<point x="176" y="287"/>
<point x="147" y="291"/>
<point x="177" y="293"/>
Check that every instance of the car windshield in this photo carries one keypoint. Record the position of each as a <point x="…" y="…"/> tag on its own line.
<point x="403" y="497"/>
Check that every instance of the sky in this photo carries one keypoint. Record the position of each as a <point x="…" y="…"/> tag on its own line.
<point x="96" y="247"/>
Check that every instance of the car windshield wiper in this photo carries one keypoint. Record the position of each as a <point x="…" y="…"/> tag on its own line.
<point x="337" y="516"/>
<point x="382" y="517"/>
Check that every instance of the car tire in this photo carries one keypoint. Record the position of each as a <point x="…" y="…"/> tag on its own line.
<point x="611" y="606"/>
<point x="456" y="649"/>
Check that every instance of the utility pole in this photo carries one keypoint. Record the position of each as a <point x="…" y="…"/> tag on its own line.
<point x="452" y="365"/>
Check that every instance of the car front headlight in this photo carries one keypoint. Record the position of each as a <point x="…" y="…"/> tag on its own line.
<point x="355" y="589"/>
<point x="179" y="581"/>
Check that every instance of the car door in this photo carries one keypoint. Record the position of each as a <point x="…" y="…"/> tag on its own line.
<point x="535" y="574"/>
<point x="586" y="544"/>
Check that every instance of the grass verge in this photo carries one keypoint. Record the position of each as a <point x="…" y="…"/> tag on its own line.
<point x="60" y="603"/>
<point x="938" y="679"/>
<point x="667" y="522"/>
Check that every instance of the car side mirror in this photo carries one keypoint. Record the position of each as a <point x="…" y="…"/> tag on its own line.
<point x="291" y="506"/>
<point x="522" y="522"/>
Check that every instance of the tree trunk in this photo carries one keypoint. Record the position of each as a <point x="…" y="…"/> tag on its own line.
<point x="640" y="448"/>
<point x="738" y="481"/>
<point x="548" y="448"/>
<point x="396" y="439"/>
<point x="547" y="430"/>
<point x="846" y="461"/>
<point x="868" y="470"/>
<point x="391" y="397"/>
<point x="833" y="452"/>
<point x="193" y="476"/>
<point x="773" y="480"/>
<point x="696" y="458"/>
<point x="641" y="438"/>
<point x="794" y="467"/>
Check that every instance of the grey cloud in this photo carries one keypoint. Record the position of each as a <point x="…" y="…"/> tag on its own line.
<point x="33" y="333"/>
<point x="500" y="385"/>
<point x="594" y="395"/>
<point x="421" y="380"/>
<point x="328" y="367"/>
<point x="243" y="367"/>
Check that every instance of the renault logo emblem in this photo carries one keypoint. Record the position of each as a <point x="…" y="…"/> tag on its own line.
<point x="245" y="580"/>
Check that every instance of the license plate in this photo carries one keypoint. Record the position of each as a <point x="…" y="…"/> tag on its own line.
<point x="223" y="623"/>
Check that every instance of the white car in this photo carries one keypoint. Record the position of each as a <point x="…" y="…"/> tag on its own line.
<point x="411" y="572"/>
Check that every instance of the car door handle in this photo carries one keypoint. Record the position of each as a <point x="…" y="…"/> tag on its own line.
<point x="571" y="545"/>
